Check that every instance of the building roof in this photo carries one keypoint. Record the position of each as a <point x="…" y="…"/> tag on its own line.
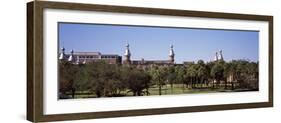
<point x="109" y="54"/>
<point x="151" y="62"/>
<point x="87" y="53"/>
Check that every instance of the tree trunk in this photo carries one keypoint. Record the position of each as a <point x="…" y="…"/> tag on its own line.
<point x="225" y="84"/>
<point x="214" y="83"/>
<point x="160" y="90"/>
<point x="73" y="93"/>
<point x="183" y="87"/>
<point x="232" y="85"/>
<point x="191" y="82"/>
<point x="98" y="93"/>
<point x="172" y="88"/>
<point x="201" y="82"/>
<point x="139" y="93"/>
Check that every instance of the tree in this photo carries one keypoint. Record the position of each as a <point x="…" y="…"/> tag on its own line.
<point x="181" y="76"/>
<point x="113" y="80"/>
<point x="253" y="73"/>
<point x="201" y="71"/>
<point x="217" y="73"/>
<point x="67" y="80"/>
<point x="81" y="78"/>
<point x="192" y="73"/>
<point x="229" y="71"/>
<point x="137" y="81"/>
<point x="159" y="75"/>
<point x="96" y="79"/>
<point x="209" y="67"/>
<point x="120" y="85"/>
<point x="246" y="74"/>
<point x="171" y="76"/>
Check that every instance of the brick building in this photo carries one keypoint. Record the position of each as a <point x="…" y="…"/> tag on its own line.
<point x="87" y="57"/>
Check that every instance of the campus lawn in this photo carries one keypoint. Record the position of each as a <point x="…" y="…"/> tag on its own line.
<point x="166" y="90"/>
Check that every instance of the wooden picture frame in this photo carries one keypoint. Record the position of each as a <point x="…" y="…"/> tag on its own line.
<point x="35" y="62"/>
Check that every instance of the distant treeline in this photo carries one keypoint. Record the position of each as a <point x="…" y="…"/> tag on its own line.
<point x="112" y="80"/>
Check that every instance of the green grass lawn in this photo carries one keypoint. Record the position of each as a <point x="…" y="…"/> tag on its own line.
<point x="166" y="90"/>
<point x="177" y="89"/>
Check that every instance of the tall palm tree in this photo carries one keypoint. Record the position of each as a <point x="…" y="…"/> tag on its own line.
<point x="180" y="71"/>
<point x="201" y="71"/>
<point x="192" y="73"/>
<point x="171" y="77"/>
<point x="159" y="75"/>
<point x="217" y="73"/>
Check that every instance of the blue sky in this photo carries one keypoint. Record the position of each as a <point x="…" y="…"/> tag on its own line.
<point x="153" y="43"/>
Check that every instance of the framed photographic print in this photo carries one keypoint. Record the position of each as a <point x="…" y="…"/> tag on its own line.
<point x="96" y="61"/>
